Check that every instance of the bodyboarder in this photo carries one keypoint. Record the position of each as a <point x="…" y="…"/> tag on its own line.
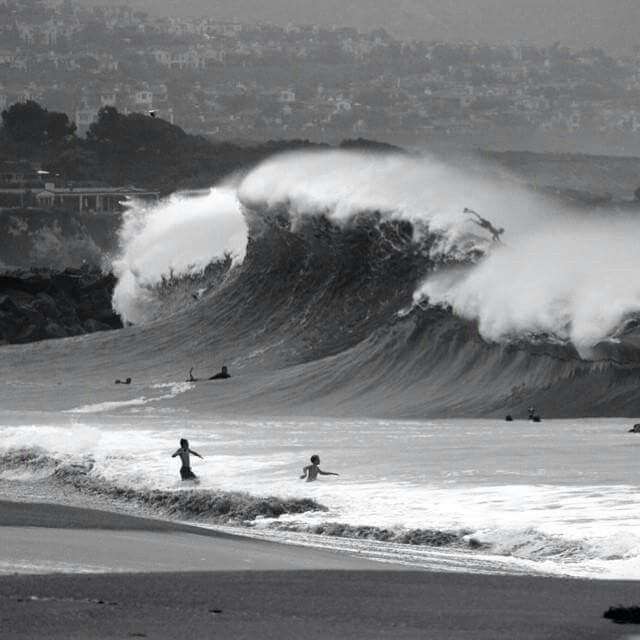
<point x="485" y="224"/>
<point x="223" y="374"/>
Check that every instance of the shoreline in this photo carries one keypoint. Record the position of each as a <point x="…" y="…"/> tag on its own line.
<point x="406" y="555"/>
<point x="51" y="538"/>
<point x="243" y="587"/>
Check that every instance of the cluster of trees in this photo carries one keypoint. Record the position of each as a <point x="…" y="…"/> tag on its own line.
<point x="132" y="149"/>
<point x="29" y="123"/>
<point x="124" y="149"/>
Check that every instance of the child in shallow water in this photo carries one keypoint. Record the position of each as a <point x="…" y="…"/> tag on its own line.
<point x="311" y="471"/>
<point x="183" y="452"/>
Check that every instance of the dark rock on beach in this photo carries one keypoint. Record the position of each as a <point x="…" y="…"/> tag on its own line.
<point x="623" y="615"/>
<point x="635" y="428"/>
<point x="40" y="304"/>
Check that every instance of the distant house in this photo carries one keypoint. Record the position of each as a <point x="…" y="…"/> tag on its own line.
<point x="162" y="57"/>
<point x="32" y="92"/>
<point x="191" y="58"/>
<point x="342" y="105"/>
<point x="85" y="116"/>
<point x="144" y="99"/>
<point x="108" y="99"/>
<point x="287" y="96"/>
<point x="13" y="59"/>
<point x="215" y="55"/>
<point x="227" y="29"/>
<point x="7" y="57"/>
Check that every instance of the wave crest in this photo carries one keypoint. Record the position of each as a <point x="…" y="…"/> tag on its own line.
<point x="570" y="275"/>
<point x="178" y="239"/>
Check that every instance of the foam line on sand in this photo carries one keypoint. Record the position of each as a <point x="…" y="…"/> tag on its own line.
<point x="287" y="592"/>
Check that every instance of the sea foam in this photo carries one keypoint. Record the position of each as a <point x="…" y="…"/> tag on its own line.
<point x="179" y="237"/>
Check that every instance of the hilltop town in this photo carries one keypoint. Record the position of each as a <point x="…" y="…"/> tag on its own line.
<point x="262" y="81"/>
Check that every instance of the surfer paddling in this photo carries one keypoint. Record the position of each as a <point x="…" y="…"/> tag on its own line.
<point x="183" y="452"/>
<point x="533" y="414"/>
<point x="223" y="374"/>
<point x="485" y="224"/>
<point x="311" y="471"/>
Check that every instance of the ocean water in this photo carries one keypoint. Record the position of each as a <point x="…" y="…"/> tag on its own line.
<point x="561" y="497"/>
<point x="337" y="285"/>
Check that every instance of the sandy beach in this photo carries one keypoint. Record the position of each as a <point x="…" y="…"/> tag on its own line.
<point x="156" y="579"/>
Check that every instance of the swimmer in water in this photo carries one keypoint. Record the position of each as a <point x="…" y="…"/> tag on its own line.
<point x="311" y="471"/>
<point x="183" y="452"/>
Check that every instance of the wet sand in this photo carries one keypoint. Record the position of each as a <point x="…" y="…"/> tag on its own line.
<point x="244" y="588"/>
<point x="46" y="538"/>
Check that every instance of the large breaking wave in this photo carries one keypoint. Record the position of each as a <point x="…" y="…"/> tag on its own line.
<point x="562" y="274"/>
<point x="343" y="283"/>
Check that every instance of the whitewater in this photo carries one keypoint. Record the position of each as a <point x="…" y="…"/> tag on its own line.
<point x="365" y="318"/>
<point x="556" y="498"/>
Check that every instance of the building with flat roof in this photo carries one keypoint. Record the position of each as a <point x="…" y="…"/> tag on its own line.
<point x="23" y="184"/>
<point x="90" y="199"/>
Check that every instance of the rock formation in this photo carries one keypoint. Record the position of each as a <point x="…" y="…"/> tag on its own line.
<point x="41" y="304"/>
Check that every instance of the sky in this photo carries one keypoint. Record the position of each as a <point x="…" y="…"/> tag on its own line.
<point x="610" y="24"/>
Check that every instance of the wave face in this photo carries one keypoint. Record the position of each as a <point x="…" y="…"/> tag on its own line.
<point x="371" y="260"/>
<point x="558" y="273"/>
<point x="570" y="276"/>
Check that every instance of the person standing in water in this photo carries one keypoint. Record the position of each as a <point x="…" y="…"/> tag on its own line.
<point x="183" y="452"/>
<point x="485" y="224"/>
<point x="311" y="471"/>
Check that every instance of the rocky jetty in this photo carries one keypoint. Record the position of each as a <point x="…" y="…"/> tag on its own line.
<point x="41" y="304"/>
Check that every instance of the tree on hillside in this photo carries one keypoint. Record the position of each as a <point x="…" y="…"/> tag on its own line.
<point x="147" y="151"/>
<point x="135" y="132"/>
<point x="103" y="128"/>
<point x="29" y="123"/>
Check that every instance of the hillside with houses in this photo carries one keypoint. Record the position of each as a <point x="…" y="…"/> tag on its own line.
<point x="232" y="81"/>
